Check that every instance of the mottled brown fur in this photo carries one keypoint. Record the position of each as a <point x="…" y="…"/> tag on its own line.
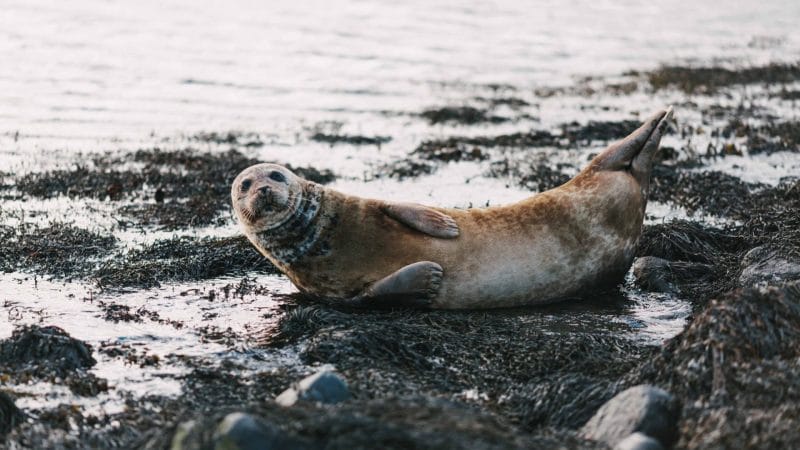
<point x="547" y="247"/>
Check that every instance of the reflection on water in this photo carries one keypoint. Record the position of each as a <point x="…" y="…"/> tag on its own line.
<point x="108" y="69"/>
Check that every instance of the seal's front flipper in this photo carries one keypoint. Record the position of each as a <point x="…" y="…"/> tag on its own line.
<point x="422" y="218"/>
<point x="413" y="285"/>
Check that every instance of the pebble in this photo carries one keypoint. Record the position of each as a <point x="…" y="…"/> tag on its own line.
<point x="323" y="387"/>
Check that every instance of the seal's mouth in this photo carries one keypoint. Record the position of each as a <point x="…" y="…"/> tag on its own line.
<point x="248" y="215"/>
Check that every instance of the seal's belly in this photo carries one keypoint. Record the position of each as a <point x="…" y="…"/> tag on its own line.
<point x="520" y="270"/>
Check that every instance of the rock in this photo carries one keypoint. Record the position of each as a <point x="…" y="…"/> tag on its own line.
<point x="324" y="387"/>
<point x="240" y="431"/>
<point x="236" y="431"/>
<point x="10" y="415"/>
<point x="654" y="274"/>
<point x="765" y="265"/>
<point x="48" y="347"/>
<point x="645" y="409"/>
<point x="639" y="441"/>
<point x="660" y="275"/>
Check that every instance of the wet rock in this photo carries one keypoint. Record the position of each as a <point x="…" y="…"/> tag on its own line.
<point x="639" y="441"/>
<point x="766" y="265"/>
<point x="240" y="431"/>
<point x="323" y="387"/>
<point x="50" y="348"/>
<point x="10" y="415"/>
<point x="654" y="274"/>
<point x="659" y="275"/>
<point x="646" y="409"/>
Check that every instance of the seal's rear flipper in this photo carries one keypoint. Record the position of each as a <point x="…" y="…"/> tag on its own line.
<point x="422" y="218"/>
<point x="415" y="285"/>
<point x="621" y="155"/>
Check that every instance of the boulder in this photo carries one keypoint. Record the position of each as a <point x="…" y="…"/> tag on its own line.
<point x="644" y="409"/>
<point x="765" y="265"/>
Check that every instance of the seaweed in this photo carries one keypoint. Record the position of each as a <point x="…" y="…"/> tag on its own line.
<point x="464" y="115"/>
<point x="333" y="139"/>
<point x="58" y="249"/>
<point x="181" y="259"/>
<point x="707" y="80"/>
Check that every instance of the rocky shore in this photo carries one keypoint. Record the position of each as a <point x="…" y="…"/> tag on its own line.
<point x="433" y="379"/>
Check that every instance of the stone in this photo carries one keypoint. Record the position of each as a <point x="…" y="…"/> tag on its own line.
<point x="323" y="387"/>
<point x="765" y="265"/>
<point x="241" y="431"/>
<point x="654" y="274"/>
<point x="639" y="441"/>
<point x="660" y="275"/>
<point x="645" y="409"/>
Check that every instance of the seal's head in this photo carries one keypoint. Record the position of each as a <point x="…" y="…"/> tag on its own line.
<point x="265" y="195"/>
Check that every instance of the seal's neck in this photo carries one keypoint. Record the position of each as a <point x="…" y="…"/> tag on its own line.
<point x="297" y="234"/>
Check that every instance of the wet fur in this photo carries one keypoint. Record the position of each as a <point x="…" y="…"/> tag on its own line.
<point x="550" y="246"/>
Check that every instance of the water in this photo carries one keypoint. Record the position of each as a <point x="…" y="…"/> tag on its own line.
<point x="89" y="76"/>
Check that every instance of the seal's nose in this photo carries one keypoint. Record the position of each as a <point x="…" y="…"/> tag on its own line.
<point x="263" y="190"/>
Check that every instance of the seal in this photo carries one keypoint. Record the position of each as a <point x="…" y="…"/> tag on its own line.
<point x="554" y="245"/>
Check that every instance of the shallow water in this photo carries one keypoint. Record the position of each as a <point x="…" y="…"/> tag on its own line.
<point x="112" y="76"/>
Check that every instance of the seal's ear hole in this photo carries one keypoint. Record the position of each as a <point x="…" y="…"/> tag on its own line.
<point x="246" y="183"/>
<point x="277" y="176"/>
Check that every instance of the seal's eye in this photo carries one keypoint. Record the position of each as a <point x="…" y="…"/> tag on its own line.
<point x="246" y="184"/>
<point x="277" y="176"/>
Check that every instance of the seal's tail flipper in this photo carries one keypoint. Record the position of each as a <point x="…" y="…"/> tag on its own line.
<point x="621" y="155"/>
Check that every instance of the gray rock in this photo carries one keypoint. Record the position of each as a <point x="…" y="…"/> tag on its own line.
<point x="659" y="275"/>
<point x="645" y="409"/>
<point x="639" y="441"/>
<point x="654" y="274"/>
<point x="765" y="265"/>
<point x="324" y="387"/>
<point x="237" y="431"/>
<point x="240" y="431"/>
